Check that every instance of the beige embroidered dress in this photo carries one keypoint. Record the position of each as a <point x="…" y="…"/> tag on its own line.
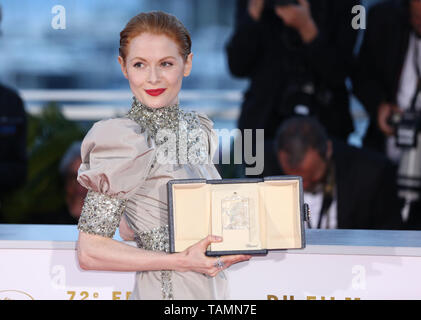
<point x="123" y="169"/>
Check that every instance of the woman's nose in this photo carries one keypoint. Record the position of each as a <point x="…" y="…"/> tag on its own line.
<point x="153" y="75"/>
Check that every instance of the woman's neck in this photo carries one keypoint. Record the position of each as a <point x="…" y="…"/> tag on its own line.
<point x="155" y="119"/>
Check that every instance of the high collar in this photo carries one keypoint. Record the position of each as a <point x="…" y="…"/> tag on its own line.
<point x="154" y="119"/>
<point x="190" y="144"/>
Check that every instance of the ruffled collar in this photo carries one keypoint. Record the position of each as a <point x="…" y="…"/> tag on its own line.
<point x="155" y="119"/>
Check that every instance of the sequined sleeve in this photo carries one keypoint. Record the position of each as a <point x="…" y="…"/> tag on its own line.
<point x="116" y="158"/>
<point x="101" y="214"/>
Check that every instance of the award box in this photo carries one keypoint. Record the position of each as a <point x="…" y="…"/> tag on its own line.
<point x="251" y="215"/>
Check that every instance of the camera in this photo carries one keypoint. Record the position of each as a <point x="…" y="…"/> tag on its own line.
<point x="305" y="99"/>
<point x="408" y="138"/>
<point x="407" y="126"/>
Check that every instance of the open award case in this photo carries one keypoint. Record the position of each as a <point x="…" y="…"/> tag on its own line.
<point x="251" y="215"/>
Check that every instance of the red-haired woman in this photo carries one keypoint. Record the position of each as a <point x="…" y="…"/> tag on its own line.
<point x="126" y="172"/>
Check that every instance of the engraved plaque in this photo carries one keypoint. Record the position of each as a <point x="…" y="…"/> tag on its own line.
<point x="237" y="214"/>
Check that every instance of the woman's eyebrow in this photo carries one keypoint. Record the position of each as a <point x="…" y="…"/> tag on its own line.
<point x="168" y="57"/>
<point x="143" y="59"/>
<point x="138" y="58"/>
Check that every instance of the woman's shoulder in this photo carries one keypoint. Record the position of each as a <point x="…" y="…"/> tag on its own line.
<point x="116" y="130"/>
<point x="116" y="155"/>
<point x="116" y="136"/>
<point x="205" y="120"/>
<point x="115" y="125"/>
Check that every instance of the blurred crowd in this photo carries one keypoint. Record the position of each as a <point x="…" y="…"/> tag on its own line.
<point x="304" y="59"/>
<point x="304" y="62"/>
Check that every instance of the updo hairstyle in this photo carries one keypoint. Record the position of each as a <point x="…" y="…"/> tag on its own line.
<point x="156" y="22"/>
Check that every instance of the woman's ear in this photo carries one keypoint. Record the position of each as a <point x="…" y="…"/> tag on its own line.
<point x="123" y="66"/>
<point x="188" y="65"/>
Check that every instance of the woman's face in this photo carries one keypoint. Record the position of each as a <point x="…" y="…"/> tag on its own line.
<point x="155" y="69"/>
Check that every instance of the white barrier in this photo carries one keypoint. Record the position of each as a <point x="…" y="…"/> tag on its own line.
<point x="39" y="262"/>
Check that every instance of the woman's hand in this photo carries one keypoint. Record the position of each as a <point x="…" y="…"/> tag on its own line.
<point x="194" y="258"/>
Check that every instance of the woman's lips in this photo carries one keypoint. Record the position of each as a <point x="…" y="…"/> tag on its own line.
<point x="155" y="92"/>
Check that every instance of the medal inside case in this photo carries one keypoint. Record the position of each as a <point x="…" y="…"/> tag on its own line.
<point x="251" y="215"/>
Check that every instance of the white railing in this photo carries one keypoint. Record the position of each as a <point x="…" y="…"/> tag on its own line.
<point x="97" y="104"/>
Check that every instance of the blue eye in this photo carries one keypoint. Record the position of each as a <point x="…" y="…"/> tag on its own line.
<point x="166" y="64"/>
<point x="138" y="64"/>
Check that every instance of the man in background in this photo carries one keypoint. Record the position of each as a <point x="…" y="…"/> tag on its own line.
<point x="345" y="187"/>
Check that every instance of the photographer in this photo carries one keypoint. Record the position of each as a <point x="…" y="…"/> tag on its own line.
<point x="387" y="81"/>
<point x="297" y="57"/>
<point x="385" y="77"/>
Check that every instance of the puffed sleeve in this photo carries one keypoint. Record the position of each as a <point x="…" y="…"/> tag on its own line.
<point x="116" y="157"/>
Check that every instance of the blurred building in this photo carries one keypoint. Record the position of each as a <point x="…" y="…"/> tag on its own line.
<point x="39" y="60"/>
<point x="84" y="54"/>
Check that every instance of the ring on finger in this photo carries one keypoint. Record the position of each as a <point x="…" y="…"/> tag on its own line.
<point x="219" y="264"/>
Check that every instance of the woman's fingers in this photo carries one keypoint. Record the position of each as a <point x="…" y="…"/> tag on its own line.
<point x="232" y="259"/>
<point x="209" y="265"/>
<point x="204" y="243"/>
<point x="224" y="262"/>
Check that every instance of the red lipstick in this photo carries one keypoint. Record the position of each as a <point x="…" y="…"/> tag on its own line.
<point x="155" y="92"/>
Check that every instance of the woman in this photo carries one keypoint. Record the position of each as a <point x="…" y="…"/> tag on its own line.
<point x="127" y="163"/>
